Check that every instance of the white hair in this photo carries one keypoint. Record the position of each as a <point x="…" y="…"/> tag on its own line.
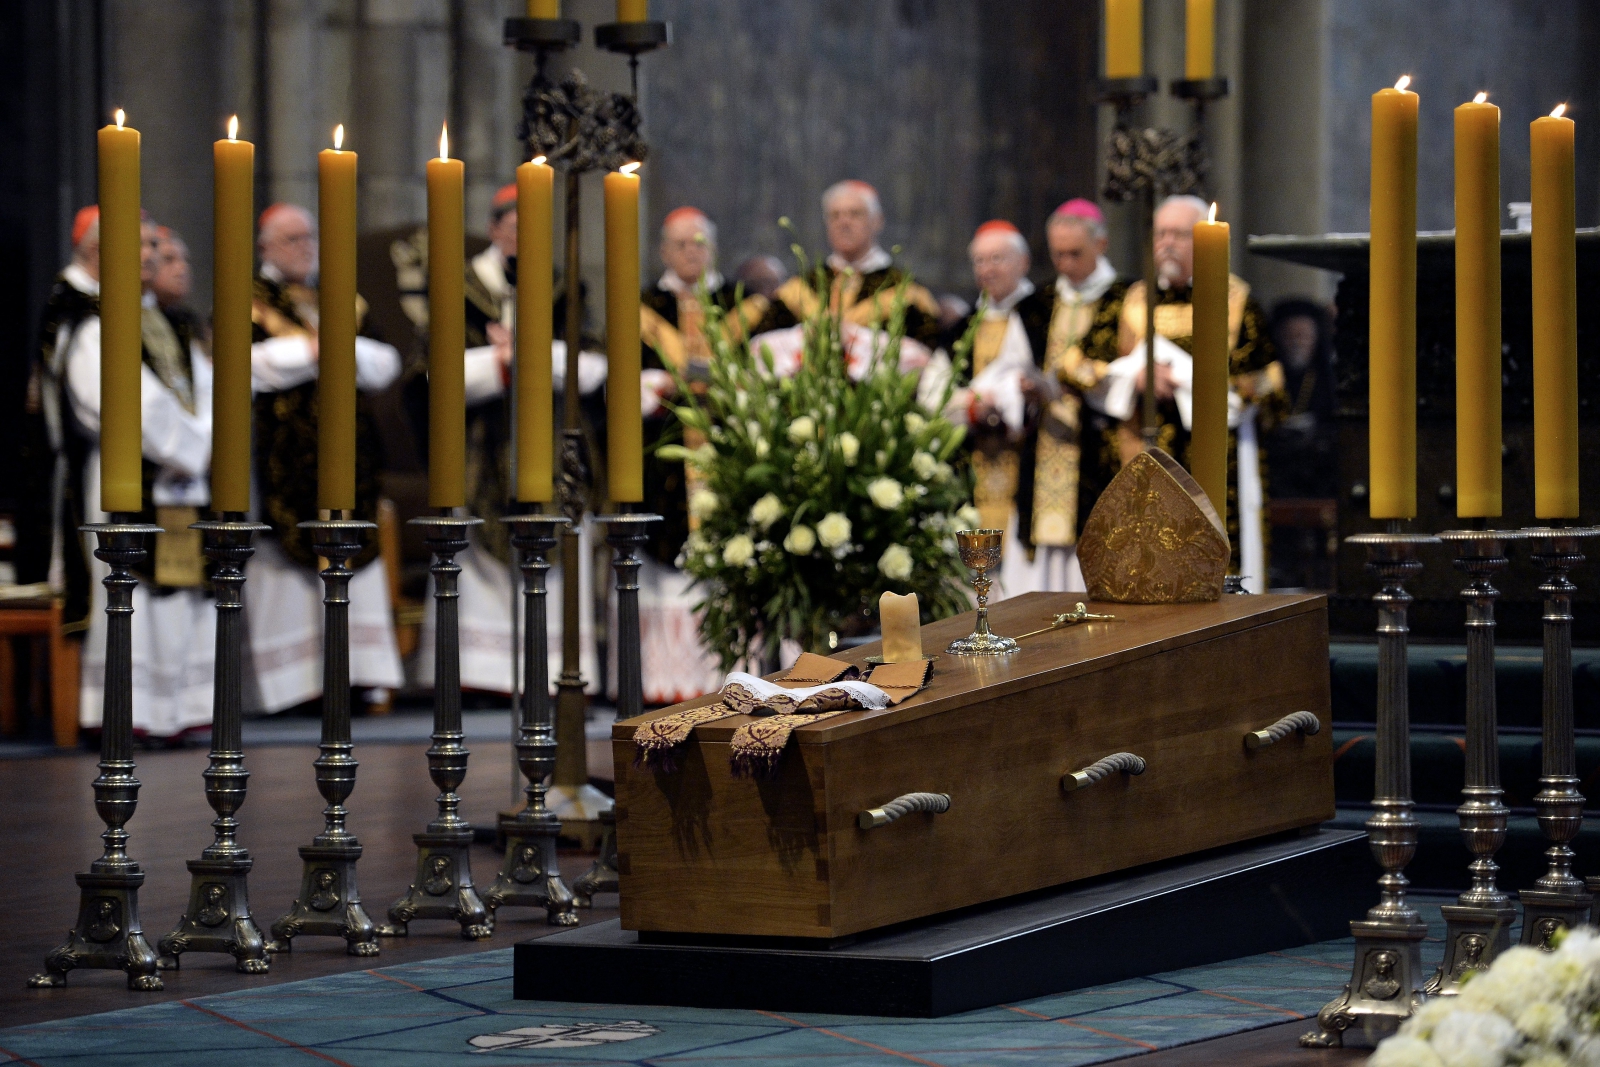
<point x="1201" y="207"/>
<point x="867" y="193"/>
<point x="707" y="227"/>
<point x="1095" y="228"/>
<point x="1018" y="243"/>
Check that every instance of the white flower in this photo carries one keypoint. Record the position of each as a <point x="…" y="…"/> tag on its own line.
<point x="1474" y="1038"/>
<point x="882" y="458"/>
<point x="752" y="429"/>
<point x="886" y="493"/>
<point x="833" y="530"/>
<point x="762" y="448"/>
<point x="943" y="472"/>
<point x="703" y="456"/>
<point x="967" y="518"/>
<point x="1403" y="1050"/>
<point x="849" y="447"/>
<point x="915" y="422"/>
<point x="895" y="563"/>
<point x="703" y="503"/>
<point x="801" y="541"/>
<point x="924" y="464"/>
<point x="802" y="429"/>
<point x="766" y="511"/>
<point x="1543" y="1021"/>
<point x="738" y="550"/>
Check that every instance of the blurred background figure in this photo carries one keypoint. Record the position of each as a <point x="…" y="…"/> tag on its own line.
<point x="1304" y="476"/>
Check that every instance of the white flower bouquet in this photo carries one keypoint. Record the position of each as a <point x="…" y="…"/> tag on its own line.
<point x="1530" y="1007"/>
<point x="817" y="493"/>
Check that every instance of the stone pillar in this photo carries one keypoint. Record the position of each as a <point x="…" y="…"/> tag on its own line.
<point x="403" y="65"/>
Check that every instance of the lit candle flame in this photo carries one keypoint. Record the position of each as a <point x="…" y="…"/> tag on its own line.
<point x="119" y="117"/>
<point x="1481" y="98"/>
<point x="539" y="160"/>
<point x="1561" y="109"/>
<point x="1405" y="80"/>
<point x="233" y="128"/>
<point x="338" y="137"/>
<point x="1213" y="216"/>
<point x="629" y="168"/>
<point x="444" y="141"/>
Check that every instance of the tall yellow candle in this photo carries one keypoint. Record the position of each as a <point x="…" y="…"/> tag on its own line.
<point x="233" y="192"/>
<point x="1208" y="442"/>
<point x="632" y="10"/>
<point x="1555" y="319"/>
<point x="1200" y="39"/>
<point x="1392" y="337"/>
<point x="544" y="9"/>
<point x="1124" y="38"/>
<point x="121" y="446"/>
<point x="535" y="435"/>
<point x="447" y="328"/>
<point x="336" y="327"/>
<point x="1478" y="309"/>
<point x="624" y="422"/>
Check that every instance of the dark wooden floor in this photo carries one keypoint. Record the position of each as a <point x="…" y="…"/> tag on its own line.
<point x="50" y="831"/>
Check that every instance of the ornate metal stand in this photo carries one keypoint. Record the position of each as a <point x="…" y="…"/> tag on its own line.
<point x="218" y="916"/>
<point x="625" y="533"/>
<point x="443" y="886"/>
<point x="107" y="933"/>
<point x="1385" y="980"/>
<point x="1559" y="899"/>
<point x="1478" y="925"/>
<point x="531" y="876"/>
<point x="329" y="904"/>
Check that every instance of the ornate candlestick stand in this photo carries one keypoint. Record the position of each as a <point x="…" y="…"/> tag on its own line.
<point x="531" y="876"/>
<point x="625" y="533"/>
<point x="443" y="886"/>
<point x="218" y="916"/>
<point x="329" y="904"/>
<point x="1385" y="981"/>
<point x="107" y="933"/>
<point x="1559" y="899"/>
<point x="1478" y="925"/>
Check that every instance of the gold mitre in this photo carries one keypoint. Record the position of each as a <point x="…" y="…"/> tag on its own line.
<point x="1153" y="537"/>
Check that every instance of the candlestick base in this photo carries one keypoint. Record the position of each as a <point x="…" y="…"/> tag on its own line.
<point x="633" y="38"/>
<point x="542" y="35"/>
<point x="1546" y="914"/>
<point x="1125" y="92"/>
<point x="1201" y="90"/>
<point x="329" y="904"/>
<point x="603" y="876"/>
<point x="1473" y="937"/>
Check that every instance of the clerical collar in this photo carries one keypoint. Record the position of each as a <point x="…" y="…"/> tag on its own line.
<point x="1003" y="307"/>
<point x="676" y="285"/>
<point x="80" y="280"/>
<point x="1093" y="287"/>
<point x="875" y="259"/>
<point x="490" y="267"/>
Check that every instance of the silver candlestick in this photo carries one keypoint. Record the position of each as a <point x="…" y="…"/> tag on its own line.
<point x="107" y="933"/>
<point x="1385" y="980"/>
<point x="1478" y="925"/>
<point x="218" y="917"/>
<point x="329" y="905"/>
<point x="1559" y="899"/>
<point x="443" y="886"/>
<point x="625" y="533"/>
<point x="531" y="876"/>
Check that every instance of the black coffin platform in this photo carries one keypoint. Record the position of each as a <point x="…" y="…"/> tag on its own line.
<point x="1261" y="896"/>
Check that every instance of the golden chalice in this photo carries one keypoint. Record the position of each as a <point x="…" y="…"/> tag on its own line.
<point x="980" y="550"/>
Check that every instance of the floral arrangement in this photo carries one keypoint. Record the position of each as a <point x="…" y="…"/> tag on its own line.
<point x="1530" y="1007"/>
<point x="817" y="492"/>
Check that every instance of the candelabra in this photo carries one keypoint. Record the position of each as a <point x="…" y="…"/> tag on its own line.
<point x="578" y="129"/>
<point x="1385" y="980"/>
<point x="443" y="886"/>
<point x="530" y="876"/>
<point x="218" y="917"/>
<point x="1478" y="925"/>
<point x="107" y="933"/>
<point x="1559" y="899"/>
<point x="329" y="905"/>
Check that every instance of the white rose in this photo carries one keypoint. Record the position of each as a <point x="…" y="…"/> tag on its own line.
<point x="1474" y="1038"/>
<point x="1402" y="1050"/>
<point x="833" y="530"/>
<point x="895" y="563"/>
<point x="924" y="464"/>
<point x="914" y="422"/>
<point x="967" y="517"/>
<point x="849" y="447"/>
<point x="802" y="429"/>
<point x="801" y="541"/>
<point x="762" y="448"/>
<point x="886" y="493"/>
<point x="703" y="504"/>
<point x="943" y="472"/>
<point x="766" y="511"/>
<point x="738" y="550"/>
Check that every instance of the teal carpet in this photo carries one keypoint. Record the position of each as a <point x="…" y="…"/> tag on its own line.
<point x="459" y="1011"/>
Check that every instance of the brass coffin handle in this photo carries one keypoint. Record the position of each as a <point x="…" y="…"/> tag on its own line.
<point x="933" y="803"/>
<point x="1303" y="721"/>
<point x="1126" y="762"/>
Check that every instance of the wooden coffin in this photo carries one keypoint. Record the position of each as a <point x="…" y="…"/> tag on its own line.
<point x="703" y="852"/>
